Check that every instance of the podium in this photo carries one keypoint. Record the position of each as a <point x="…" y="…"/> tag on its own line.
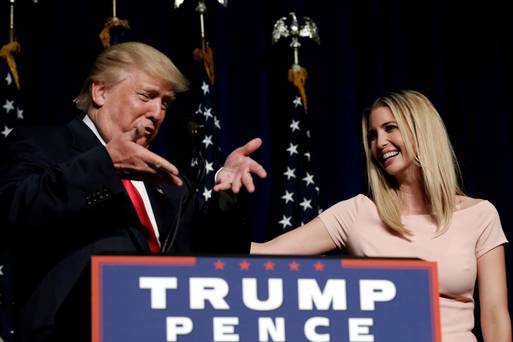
<point x="263" y="298"/>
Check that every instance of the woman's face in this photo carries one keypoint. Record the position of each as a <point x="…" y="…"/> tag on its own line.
<point x="386" y="143"/>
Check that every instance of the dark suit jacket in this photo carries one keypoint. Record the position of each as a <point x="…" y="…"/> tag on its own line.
<point x="61" y="202"/>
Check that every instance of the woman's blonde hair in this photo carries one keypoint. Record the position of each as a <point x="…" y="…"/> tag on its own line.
<point x="425" y="138"/>
<point x="114" y="62"/>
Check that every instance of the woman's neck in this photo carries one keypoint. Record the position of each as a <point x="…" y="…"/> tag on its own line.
<point x="412" y="197"/>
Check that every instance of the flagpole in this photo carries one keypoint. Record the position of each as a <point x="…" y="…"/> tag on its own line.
<point x="114" y="9"/>
<point x="11" y="22"/>
<point x="201" y="9"/>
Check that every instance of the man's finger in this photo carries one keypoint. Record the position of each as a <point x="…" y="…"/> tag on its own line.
<point x="222" y="186"/>
<point x="163" y="165"/>
<point x="236" y="185"/>
<point x="156" y="162"/>
<point x="168" y="170"/>
<point x="247" y="180"/>
<point x="175" y="180"/>
<point x="251" y="146"/>
<point x="258" y="169"/>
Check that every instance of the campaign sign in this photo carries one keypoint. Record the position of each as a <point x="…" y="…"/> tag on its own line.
<point x="257" y="298"/>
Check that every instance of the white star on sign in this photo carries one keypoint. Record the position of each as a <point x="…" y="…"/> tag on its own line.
<point x="6" y="131"/>
<point x="308" y="179"/>
<point x="294" y="125"/>
<point x="297" y="102"/>
<point x="2" y="270"/>
<point x="205" y="88"/>
<point x="285" y="221"/>
<point x="207" y="140"/>
<point x="8" y="79"/>
<point x="207" y="194"/>
<point x="292" y="149"/>
<point x="307" y="155"/>
<point x="306" y="204"/>
<point x="217" y="123"/>
<point x="8" y="106"/>
<point x="288" y="197"/>
<point x="290" y="173"/>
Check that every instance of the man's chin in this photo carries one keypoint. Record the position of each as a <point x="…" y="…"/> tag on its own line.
<point x="144" y="142"/>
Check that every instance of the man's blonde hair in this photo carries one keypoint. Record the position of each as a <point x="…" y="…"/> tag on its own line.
<point x="114" y="62"/>
<point x="426" y="140"/>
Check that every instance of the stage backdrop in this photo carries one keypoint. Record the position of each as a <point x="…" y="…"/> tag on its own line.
<point x="460" y="57"/>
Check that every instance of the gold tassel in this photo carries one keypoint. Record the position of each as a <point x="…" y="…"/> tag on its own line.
<point x="7" y="52"/>
<point x="298" y="75"/>
<point x="112" y="22"/>
<point x="208" y="61"/>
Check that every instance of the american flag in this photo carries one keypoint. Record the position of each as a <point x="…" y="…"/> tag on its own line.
<point x="300" y="194"/>
<point x="11" y="115"/>
<point x="205" y="115"/>
<point x="10" y="99"/>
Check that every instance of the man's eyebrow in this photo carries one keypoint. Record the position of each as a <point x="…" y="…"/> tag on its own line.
<point x="149" y="89"/>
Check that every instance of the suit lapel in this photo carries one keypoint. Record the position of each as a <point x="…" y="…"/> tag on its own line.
<point x="165" y="200"/>
<point x="162" y="208"/>
<point x="83" y="139"/>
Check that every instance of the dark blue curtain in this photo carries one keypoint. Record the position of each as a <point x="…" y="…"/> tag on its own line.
<point x="459" y="56"/>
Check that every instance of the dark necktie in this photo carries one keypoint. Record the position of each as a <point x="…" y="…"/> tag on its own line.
<point x="138" y="203"/>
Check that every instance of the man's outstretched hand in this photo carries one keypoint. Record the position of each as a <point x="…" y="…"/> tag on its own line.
<point x="238" y="167"/>
<point x="133" y="161"/>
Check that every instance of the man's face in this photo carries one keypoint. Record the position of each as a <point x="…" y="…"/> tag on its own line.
<point x="138" y="101"/>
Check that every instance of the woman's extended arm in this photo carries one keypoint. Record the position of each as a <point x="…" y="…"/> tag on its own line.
<point x="493" y="297"/>
<point x="310" y="239"/>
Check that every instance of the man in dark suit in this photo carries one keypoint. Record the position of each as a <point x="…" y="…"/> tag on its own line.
<point x="64" y="194"/>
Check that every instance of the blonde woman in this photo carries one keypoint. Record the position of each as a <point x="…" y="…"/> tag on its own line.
<point x="416" y="209"/>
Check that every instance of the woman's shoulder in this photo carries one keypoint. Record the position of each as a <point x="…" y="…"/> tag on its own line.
<point x="483" y="218"/>
<point x="466" y="203"/>
<point x="359" y="199"/>
<point x="342" y="216"/>
<point x="364" y="200"/>
<point x="358" y="203"/>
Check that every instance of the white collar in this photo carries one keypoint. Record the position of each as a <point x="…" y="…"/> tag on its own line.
<point x="87" y="120"/>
